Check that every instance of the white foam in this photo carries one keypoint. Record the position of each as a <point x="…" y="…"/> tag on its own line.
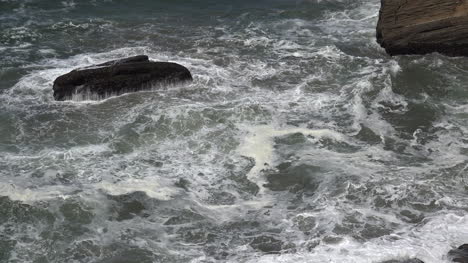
<point x="150" y="187"/>
<point x="430" y="243"/>
<point x="258" y="144"/>
<point x="42" y="193"/>
<point x="30" y="195"/>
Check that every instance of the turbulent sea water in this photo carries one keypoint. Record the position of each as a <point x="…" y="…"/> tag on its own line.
<point x="299" y="139"/>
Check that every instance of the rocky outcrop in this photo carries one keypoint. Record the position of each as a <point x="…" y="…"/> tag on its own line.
<point x="460" y="254"/>
<point x="423" y="26"/>
<point x="117" y="77"/>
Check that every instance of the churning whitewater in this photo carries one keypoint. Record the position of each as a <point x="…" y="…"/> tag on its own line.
<point x="299" y="139"/>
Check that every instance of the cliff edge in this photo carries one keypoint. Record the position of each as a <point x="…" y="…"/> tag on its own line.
<point x="423" y="26"/>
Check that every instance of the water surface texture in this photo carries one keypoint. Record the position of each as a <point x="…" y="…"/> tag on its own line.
<point x="299" y="139"/>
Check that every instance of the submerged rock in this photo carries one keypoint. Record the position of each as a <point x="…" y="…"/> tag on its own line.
<point x="117" y="77"/>
<point x="423" y="26"/>
<point x="460" y="254"/>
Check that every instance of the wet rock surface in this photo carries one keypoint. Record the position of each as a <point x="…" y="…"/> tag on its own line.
<point x="423" y="26"/>
<point x="117" y="77"/>
<point x="460" y="254"/>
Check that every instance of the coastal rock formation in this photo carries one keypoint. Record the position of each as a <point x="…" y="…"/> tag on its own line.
<point x="460" y="254"/>
<point x="118" y="77"/>
<point x="423" y="26"/>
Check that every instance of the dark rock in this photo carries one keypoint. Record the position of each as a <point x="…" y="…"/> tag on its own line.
<point x="423" y="26"/>
<point x="117" y="77"/>
<point x="460" y="254"/>
<point x="267" y="244"/>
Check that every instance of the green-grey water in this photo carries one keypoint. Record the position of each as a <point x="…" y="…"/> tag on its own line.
<point x="299" y="139"/>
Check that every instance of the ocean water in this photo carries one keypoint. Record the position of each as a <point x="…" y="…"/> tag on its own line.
<point x="299" y="139"/>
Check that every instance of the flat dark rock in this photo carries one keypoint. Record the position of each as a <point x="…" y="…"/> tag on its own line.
<point x="117" y="77"/>
<point x="460" y="254"/>
<point x="423" y="26"/>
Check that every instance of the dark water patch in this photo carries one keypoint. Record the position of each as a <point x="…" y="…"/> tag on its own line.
<point x="18" y="212"/>
<point x="410" y="203"/>
<point x="8" y="133"/>
<point x="129" y="255"/>
<point x="225" y="198"/>
<point x="239" y="177"/>
<point x="6" y="247"/>
<point x="294" y="178"/>
<point x="451" y="179"/>
<point x="305" y="224"/>
<point x="292" y="139"/>
<point x="414" y="79"/>
<point x="43" y="227"/>
<point x="417" y="116"/>
<point x="88" y="250"/>
<point x="75" y="213"/>
<point x="339" y="147"/>
<point x="411" y="216"/>
<point x="363" y="227"/>
<point x="128" y="206"/>
<point x="83" y="251"/>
